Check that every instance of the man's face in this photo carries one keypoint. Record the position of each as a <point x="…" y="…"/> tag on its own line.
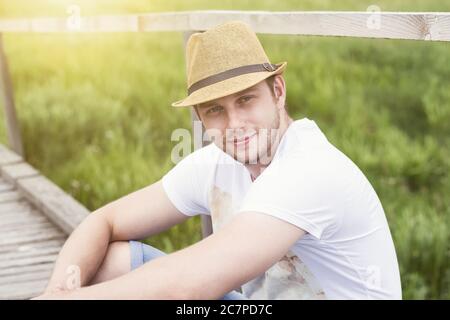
<point x="245" y="124"/>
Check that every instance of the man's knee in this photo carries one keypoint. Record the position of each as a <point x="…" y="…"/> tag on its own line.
<point x="115" y="263"/>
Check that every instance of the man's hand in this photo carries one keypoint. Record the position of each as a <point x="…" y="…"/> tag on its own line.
<point x="56" y="293"/>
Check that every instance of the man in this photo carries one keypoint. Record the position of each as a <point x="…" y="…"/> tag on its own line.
<point x="293" y="217"/>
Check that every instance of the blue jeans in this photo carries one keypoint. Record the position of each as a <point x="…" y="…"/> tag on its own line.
<point x="142" y="253"/>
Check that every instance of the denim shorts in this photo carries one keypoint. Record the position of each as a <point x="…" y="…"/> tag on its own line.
<point x="142" y="253"/>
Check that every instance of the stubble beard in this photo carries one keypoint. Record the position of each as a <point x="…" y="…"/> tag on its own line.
<point x="262" y="152"/>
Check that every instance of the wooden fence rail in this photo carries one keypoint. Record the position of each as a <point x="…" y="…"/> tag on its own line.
<point x="434" y="26"/>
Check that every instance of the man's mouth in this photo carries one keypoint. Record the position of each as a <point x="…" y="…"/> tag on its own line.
<point x="242" y="141"/>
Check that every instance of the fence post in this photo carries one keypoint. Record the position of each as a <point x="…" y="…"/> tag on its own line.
<point x="12" y="125"/>
<point x="206" y="220"/>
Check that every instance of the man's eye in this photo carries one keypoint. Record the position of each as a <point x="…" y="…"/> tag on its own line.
<point x="213" y="110"/>
<point x="245" y="99"/>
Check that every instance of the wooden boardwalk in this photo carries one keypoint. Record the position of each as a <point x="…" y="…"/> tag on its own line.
<point x="36" y="217"/>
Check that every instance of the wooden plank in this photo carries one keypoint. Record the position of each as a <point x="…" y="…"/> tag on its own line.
<point x="6" y="91"/>
<point x="19" y="213"/>
<point x="9" y="207"/>
<point x="17" y="225"/>
<point x="33" y="238"/>
<point x="25" y="295"/>
<point x="123" y="23"/>
<point x="20" y="247"/>
<point x="18" y="235"/>
<point x="7" y="156"/>
<point x="19" y="216"/>
<point x="5" y="187"/>
<point x="23" y="290"/>
<point x="16" y="171"/>
<point x="434" y="26"/>
<point x="30" y="253"/>
<point x="10" y="196"/>
<point x="14" y="279"/>
<point x="20" y="223"/>
<point x="26" y="226"/>
<point x="27" y="261"/>
<point x="26" y="269"/>
<point x="4" y="184"/>
<point x="198" y="143"/>
<point x="29" y="231"/>
<point x="60" y="208"/>
<point x="14" y="25"/>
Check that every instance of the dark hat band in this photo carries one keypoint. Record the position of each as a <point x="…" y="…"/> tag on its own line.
<point x="230" y="74"/>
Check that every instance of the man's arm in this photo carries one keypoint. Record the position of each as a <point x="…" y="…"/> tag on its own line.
<point x="242" y="250"/>
<point x="140" y="214"/>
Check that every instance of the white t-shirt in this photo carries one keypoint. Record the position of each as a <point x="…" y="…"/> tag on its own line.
<point x="347" y="253"/>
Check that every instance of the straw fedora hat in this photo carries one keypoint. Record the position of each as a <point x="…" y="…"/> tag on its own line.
<point x="224" y="60"/>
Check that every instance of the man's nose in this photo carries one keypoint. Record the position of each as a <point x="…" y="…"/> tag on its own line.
<point x="235" y="120"/>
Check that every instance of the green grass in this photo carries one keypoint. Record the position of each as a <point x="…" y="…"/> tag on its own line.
<point x="95" y="115"/>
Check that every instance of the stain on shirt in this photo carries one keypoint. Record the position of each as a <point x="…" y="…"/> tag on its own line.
<point x="289" y="278"/>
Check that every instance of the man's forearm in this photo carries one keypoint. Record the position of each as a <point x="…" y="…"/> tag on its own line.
<point x="82" y="254"/>
<point x="173" y="276"/>
<point x="154" y="280"/>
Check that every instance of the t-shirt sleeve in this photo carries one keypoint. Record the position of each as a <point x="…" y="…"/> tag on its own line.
<point x="303" y="193"/>
<point x="185" y="185"/>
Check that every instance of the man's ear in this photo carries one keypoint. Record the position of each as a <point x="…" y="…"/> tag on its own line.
<point x="279" y="89"/>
